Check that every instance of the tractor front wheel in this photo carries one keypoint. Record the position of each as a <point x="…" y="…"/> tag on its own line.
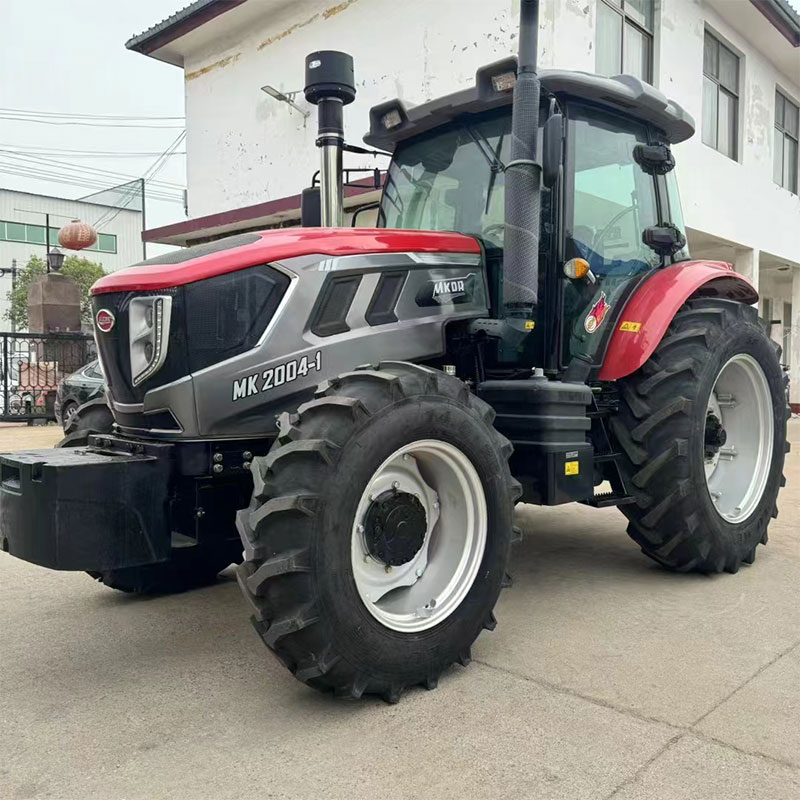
<point x="702" y="431"/>
<point x="377" y="538"/>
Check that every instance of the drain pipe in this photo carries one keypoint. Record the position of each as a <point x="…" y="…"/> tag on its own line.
<point x="523" y="176"/>
<point x="330" y="86"/>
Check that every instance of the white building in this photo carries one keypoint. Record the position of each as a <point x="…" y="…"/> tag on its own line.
<point x="23" y="225"/>
<point x="733" y="64"/>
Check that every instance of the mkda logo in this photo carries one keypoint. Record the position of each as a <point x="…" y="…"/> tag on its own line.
<point x="105" y="320"/>
<point x="449" y="287"/>
<point x="452" y="291"/>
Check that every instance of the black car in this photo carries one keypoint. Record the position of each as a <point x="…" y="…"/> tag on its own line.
<point x="78" y="388"/>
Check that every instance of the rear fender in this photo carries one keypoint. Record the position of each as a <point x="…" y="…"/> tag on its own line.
<point x="649" y="312"/>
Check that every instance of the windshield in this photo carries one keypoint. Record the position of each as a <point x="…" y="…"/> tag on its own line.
<point x="452" y="180"/>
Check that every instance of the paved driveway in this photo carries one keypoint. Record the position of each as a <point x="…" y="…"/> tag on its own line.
<point x="606" y="677"/>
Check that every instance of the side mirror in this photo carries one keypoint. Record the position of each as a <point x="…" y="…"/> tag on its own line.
<point x="310" y="208"/>
<point x="552" y="140"/>
<point x="665" y="239"/>
<point x="655" y="159"/>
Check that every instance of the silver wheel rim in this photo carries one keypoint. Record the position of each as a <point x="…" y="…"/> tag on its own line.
<point x="427" y="589"/>
<point x="70" y="413"/>
<point x="737" y="473"/>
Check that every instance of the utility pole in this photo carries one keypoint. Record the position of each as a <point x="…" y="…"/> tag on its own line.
<point x="144" y="227"/>
<point x="47" y="239"/>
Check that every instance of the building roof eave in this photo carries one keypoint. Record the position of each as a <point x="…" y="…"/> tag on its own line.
<point x="178" y="24"/>
<point x="782" y="16"/>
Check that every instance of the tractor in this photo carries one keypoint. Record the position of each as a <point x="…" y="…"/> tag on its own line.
<point x="351" y="414"/>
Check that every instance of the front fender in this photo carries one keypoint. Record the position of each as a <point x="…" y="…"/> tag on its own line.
<point x="647" y="315"/>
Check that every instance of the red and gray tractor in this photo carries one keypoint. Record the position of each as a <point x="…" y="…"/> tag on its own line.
<point x="350" y="415"/>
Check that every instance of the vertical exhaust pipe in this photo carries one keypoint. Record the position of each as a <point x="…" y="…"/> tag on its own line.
<point x="523" y="176"/>
<point x="330" y="86"/>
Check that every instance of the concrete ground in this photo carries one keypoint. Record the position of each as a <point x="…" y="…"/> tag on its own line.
<point x="606" y="677"/>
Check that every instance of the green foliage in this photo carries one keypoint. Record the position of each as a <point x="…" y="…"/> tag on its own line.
<point x="81" y="270"/>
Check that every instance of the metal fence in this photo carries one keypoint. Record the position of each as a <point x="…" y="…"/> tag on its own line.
<point x="32" y="365"/>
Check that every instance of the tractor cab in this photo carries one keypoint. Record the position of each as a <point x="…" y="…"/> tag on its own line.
<point x="607" y="190"/>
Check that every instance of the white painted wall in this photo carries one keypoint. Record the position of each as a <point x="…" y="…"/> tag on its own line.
<point x="244" y="147"/>
<point x="30" y="208"/>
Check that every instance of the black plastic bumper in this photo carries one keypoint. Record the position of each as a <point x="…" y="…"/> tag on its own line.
<point x="97" y="508"/>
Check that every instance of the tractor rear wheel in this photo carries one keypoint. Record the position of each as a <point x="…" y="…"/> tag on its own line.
<point x="702" y="430"/>
<point x="378" y="534"/>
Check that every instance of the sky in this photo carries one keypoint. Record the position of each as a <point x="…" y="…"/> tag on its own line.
<point x="70" y="58"/>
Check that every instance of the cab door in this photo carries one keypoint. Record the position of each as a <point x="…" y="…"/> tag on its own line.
<point x="609" y="201"/>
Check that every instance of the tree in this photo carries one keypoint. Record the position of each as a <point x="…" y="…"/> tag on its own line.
<point x="81" y="270"/>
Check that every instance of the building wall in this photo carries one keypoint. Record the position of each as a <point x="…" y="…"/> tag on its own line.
<point x="30" y="208"/>
<point x="244" y="147"/>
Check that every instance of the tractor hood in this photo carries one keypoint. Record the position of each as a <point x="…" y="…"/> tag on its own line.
<point x="250" y="249"/>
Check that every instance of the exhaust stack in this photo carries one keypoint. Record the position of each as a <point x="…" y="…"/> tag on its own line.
<point x="523" y="176"/>
<point x="330" y="86"/>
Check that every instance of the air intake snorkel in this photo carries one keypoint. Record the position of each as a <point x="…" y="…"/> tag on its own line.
<point x="330" y="85"/>
<point x="523" y="176"/>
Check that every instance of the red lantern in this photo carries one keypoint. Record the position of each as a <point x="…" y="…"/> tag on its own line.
<point x="77" y="235"/>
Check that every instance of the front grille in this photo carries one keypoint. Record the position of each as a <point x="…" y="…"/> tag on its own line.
<point x="212" y="320"/>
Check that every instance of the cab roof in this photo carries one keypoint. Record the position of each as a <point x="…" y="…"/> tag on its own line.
<point x="623" y="93"/>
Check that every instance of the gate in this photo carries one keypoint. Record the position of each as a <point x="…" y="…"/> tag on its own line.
<point x="32" y="366"/>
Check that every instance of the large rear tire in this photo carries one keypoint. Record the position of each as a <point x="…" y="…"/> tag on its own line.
<point x="378" y="534"/>
<point x="702" y="430"/>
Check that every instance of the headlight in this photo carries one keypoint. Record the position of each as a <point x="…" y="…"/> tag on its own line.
<point x="148" y="331"/>
<point x="504" y="81"/>
<point x="391" y="119"/>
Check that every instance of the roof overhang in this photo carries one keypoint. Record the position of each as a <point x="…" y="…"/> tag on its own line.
<point x="271" y="214"/>
<point x="783" y="17"/>
<point x="156" y="40"/>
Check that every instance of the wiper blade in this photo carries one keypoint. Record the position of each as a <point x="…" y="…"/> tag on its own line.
<point x="492" y="157"/>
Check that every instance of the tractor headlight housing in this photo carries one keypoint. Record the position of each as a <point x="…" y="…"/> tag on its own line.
<point x="504" y="81"/>
<point x="148" y="335"/>
<point x="392" y="119"/>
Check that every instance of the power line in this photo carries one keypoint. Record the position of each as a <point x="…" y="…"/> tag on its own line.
<point x="154" y="169"/>
<point x="111" y="155"/>
<point x="30" y="172"/>
<point x="79" y="170"/>
<point x="76" y="150"/>
<point x="88" y="124"/>
<point x="29" y="112"/>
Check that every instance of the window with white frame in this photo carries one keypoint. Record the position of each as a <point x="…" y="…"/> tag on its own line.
<point x="787" y="123"/>
<point x="625" y="37"/>
<point x="720" y="97"/>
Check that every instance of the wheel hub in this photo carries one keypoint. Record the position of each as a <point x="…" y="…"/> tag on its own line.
<point x="419" y="535"/>
<point x="394" y="527"/>
<point x="715" y="435"/>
